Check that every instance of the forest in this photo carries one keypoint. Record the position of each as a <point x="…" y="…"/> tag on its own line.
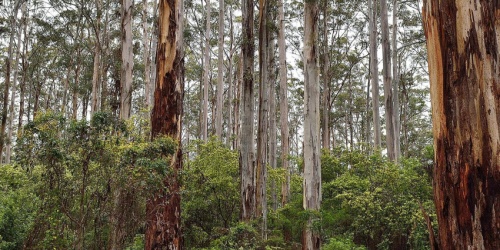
<point x="270" y="124"/>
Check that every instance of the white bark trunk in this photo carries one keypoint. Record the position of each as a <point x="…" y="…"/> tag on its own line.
<point x="127" y="60"/>
<point x="220" y="73"/>
<point x="206" y="68"/>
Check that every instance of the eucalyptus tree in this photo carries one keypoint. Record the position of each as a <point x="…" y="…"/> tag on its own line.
<point x="463" y="73"/>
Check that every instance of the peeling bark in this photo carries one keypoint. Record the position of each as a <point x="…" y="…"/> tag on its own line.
<point x="163" y="210"/>
<point x="462" y="43"/>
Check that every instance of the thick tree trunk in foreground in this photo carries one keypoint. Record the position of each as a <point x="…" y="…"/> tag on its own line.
<point x="312" y="165"/>
<point x="462" y="43"/>
<point x="127" y="60"/>
<point x="283" y="97"/>
<point x="247" y="170"/>
<point x="163" y="227"/>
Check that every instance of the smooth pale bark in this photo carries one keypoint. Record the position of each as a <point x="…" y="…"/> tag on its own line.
<point x="13" y="92"/>
<point x="462" y="46"/>
<point x="220" y="74"/>
<point x="163" y="210"/>
<point x="97" y="61"/>
<point x="206" y="75"/>
<point x="377" y="132"/>
<point x="386" y="71"/>
<point x="261" y="170"/>
<point x="395" y="81"/>
<point x="246" y="159"/>
<point x="231" y="102"/>
<point x="127" y="60"/>
<point x="145" y="56"/>
<point x="312" y="165"/>
<point x="24" y="63"/>
<point x="283" y="97"/>
<point x="153" y="45"/>
<point x="326" y="82"/>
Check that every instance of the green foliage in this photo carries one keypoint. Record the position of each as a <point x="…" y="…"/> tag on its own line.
<point x="18" y="206"/>
<point x="76" y="169"/>
<point x="210" y="198"/>
<point x="341" y="244"/>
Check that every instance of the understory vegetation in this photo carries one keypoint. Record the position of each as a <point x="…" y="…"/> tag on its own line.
<point x="60" y="192"/>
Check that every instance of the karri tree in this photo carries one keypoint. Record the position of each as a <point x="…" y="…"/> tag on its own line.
<point x="462" y="43"/>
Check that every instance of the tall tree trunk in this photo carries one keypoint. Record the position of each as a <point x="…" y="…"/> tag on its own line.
<point x="389" y="104"/>
<point x="13" y="92"/>
<point x="377" y="132"/>
<point x="283" y="97"/>
<point x="146" y="56"/>
<point x="261" y="196"/>
<point x="163" y="227"/>
<point x="231" y="102"/>
<point x="395" y="82"/>
<point x="24" y="63"/>
<point x="312" y="164"/>
<point x="97" y="61"/>
<point x="326" y="82"/>
<point x="153" y="45"/>
<point x="272" y="102"/>
<point x="127" y="60"/>
<point x="246" y="159"/>
<point x="206" y="75"/>
<point x="462" y="44"/>
<point x="220" y="73"/>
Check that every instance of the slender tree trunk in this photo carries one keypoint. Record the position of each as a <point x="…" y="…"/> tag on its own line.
<point x="231" y="101"/>
<point x="163" y="211"/>
<point x="395" y="82"/>
<point x="462" y="44"/>
<point x="377" y="137"/>
<point x="206" y="74"/>
<point x="24" y="63"/>
<point x="97" y="61"/>
<point x="13" y="92"/>
<point x="389" y="104"/>
<point x="326" y="82"/>
<point x="146" y="56"/>
<point x="246" y="160"/>
<point x="283" y="97"/>
<point x="272" y="105"/>
<point x="127" y="60"/>
<point x="220" y="74"/>
<point x="153" y="45"/>
<point x="312" y="165"/>
<point x="237" y="103"/>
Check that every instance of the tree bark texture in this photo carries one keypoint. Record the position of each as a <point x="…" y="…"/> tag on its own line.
<point x="386" y="62"/>
<point x="377" y="141"/>
<point x="462" y="43"/>
<point x="261" y="197"/>
<point x="283" y="97"/>
<point x="206" y="75"/>
<point x="312" y="164"/>
<point x="326" y="82"/>
<point x="163" y="210"/>
<point x="127" y="60"/>
<point x="247" y="169"/>
<point x="220" y="73"/>
<point x="395" y="82"/>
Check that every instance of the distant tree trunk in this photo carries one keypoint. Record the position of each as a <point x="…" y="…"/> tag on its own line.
<point x="13" y="92"/>
<point x="24" y="63"/>
<point x="283" y="97"/>
<point x="231" y="101"/>
<point x="462" y="44"/>
<point x="326" y="82"/>
<point x="97" y="61"/>
<point x="127" y="60"/>
<point x="206" y="75"/>
<point x="146" y="57"/>
<point x="272" y="102"/>
<point x="261" y="196"/>
<point x="220" y="74"/>
<point x="154" y="43"/>
<point x="163" y="227"/>
<point x="389" y="104"/>
<point x="377" y="141"/>
<point x="312" y="165"/>
<point x="395" y="82"/>
<point x="246" y="159"/>
<point x="237" y="103"/>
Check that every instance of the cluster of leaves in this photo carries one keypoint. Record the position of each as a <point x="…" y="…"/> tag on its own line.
<point x="73" y="172"/>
